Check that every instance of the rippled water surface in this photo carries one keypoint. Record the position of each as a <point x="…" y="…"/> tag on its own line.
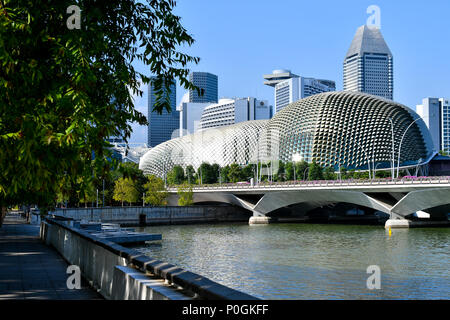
<point x="311" y="261"/>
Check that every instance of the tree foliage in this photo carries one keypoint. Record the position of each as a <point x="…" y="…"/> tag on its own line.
<point x="185" y="195"/>
<point x="63" y="91"/>
<point x="234" y="173"/>
<point x="176" y="175"/>
<point x="125" y="190"/>
<point x="315" y="171"/>
<point x="155" y="191"/>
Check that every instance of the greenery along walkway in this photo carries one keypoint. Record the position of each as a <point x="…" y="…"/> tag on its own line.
<point x="31" y="270"/>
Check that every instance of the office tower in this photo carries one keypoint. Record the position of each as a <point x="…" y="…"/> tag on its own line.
<point x="161" y="126"/>
<point x="289" y="87"/>
<point x="435" y="112"/>
<point x="368" y="65"/>
<point x="206" y="81"/>
<point x="278" y="76"/>
<point x="231" y="111"/>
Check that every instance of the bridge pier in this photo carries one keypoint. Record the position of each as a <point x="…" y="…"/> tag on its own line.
<point x="260" y="219"/>
<point x="405" y="223"/>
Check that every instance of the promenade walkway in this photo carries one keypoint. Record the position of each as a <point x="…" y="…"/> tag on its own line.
<point x="29" y="269"/>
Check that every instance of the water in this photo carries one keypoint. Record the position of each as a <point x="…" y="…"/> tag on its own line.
<point x="311" y="261"/>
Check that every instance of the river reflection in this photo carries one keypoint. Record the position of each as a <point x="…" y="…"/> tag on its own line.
<point x="311" y="261"/>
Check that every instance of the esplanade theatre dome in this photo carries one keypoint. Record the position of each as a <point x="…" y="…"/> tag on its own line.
<point x="340" y="129"/>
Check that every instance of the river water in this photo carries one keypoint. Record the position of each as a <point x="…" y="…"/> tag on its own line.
<point x="311" y="261"/>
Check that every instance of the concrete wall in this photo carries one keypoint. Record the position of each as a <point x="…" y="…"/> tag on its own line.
<point x="157" y="215"/>
<point x="122" y="273"/>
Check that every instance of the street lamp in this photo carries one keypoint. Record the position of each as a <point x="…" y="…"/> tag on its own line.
<point x="304" y="174"/>
<point x="296" y="158"/>
<point x="401" y="141"/>
<point x="368" y="162"/>
<point x="393" y="157"/>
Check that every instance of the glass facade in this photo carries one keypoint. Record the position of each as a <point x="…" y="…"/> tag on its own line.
<point x="162" y="126"/>
<point x="206" y="81"/>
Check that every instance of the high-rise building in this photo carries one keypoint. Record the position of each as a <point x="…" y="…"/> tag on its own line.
<point x="278" y="76"/>
<point x="368" y="65"/>
<point x="231" y="111"/>
<point x="161" y="126"/>
<point x="290" y="87"/>
<point x="206" y="81"/>
<point x="435" y="112"/>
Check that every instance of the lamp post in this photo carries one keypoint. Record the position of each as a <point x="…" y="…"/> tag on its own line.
<point x="375" y="170"/>
<point x="103" y="194"/>
<point x="304" y="173"/>
<point x="392" y="161"/>
<point x="295" y="158"/>
<point x="368" y="162"/>
<point x="400" y="146"/>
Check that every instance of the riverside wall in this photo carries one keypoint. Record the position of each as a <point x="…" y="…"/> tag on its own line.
<point x="120" y="273"/>
<point x="133" y="216"/>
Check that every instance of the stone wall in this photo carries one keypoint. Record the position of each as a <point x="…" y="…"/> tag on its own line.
<point x="157" y="215"/>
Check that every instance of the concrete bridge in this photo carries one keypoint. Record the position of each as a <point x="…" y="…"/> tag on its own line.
<point x="420" y="199"/>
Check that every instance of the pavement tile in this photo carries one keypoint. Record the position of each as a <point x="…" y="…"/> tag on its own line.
<point x="31" y="270"/>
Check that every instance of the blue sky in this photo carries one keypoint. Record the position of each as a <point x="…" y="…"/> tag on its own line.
<point x="241" y="40"/>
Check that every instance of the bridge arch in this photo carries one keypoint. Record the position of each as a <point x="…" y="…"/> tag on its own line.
<point x="421" y="200"/>
<point x="275" y="200"/>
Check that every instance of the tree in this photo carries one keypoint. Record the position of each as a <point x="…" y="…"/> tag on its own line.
<point x="289" y="171"/>
<point x="185" y="195"/>
<point x="234" y="173"/>
<point x="190" y="174"/>
<point x="224" y="174"/>
<point x="343" y="173"/>
<point x="300" y="169"/>
<point x="315" y="171"/>
<point x="176" y="175"/>
<point x="215" y="172"/>
<point x="248" y="172"/>
<point x="329" y="173"/>
<point x="156" y="194"/>
<point x="125" y="190"/>
<point x="280" y="172"/>
<point x="63" y="91"/>
<point x="207" y="173"/>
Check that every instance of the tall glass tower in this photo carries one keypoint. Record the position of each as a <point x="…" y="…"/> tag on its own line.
<point x="161" y="126"/>
<point x="206" y="81"/>
<point x="368" y="65"/>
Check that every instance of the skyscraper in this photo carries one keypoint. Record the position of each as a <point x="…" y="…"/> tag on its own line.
<point x="368" y="65"/>
<point x="435" y="112"/>
<point x="290" y="87"/>
<point x="161" y="126"/>
<point x="206" y="81"/>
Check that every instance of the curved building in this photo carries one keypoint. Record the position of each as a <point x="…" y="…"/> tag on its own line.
<point x="340" y="129"/>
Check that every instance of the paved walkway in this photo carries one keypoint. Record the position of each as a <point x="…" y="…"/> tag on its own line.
<point x="29" y="269"/>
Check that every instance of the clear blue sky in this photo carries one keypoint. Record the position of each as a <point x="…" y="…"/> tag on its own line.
<point x="240" y="40"/>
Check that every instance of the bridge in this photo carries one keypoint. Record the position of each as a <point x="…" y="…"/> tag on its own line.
<point x="422" y="199"/>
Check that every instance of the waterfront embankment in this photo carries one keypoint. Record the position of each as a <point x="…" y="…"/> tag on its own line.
<point x="166" y="215"/>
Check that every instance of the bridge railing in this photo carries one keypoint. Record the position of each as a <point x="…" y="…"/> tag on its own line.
<point x="326" y="183"/>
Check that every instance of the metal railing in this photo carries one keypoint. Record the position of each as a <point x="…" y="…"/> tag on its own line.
<point x="324" y="183"/>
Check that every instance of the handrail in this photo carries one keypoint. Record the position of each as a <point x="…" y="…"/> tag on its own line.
<point x="327" y="183"/>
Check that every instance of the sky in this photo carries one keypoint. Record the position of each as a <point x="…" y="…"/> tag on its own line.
<point x="241" y="40"/>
